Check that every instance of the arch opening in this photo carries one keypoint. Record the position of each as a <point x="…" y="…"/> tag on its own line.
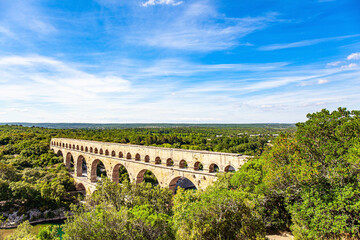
<point x="198" y="166"/>
<point x="73" y="146"/>
<point x="120" y="174"/>
<point x="98" y="170"/>
<point x="82" y="148"/>
<point x="181" y="182"/>
<point x="183" y="164"/>
<point x="128" y="155"/>
<point x="69" y="162"/>
<point x="86" y="149"/>
<point x="77" y="147"/>
<point x="96" y="151"/>
<point x="137" y="157"/>
<point x="121" y="155"/>
<point x="81" y="167"/>
<point x="147" y="158"/>
<point x="91" y="149"/>
<point x="66" y="145"/>
<point x="59" y="153"/>
<point x="169" y="162"/>
<point x="229" y="168"/>
<point x="147" y="176"/>
<point x="113" y="154"/>
<point x="106" y="152"/>
<point x="213" y="168"/>
<point x="101" y="151"/>
<point x="157" y="160"/>
<point x="80" y="188"/>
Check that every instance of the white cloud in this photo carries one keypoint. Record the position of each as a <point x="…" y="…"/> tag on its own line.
<point x="349" y="66"/>
<point x="47" y="80"/>
<point x="6" y="32"/>
<point x="51" y="90"/>
<point x="334" y="64"/>
<point x="161" y="2"/>
<point x="354" y="56"/>
<point x="22" y="16"/>
<point x="322" y="81"/>
<point x="199" y="27"/>
<point x="304" y="43"/>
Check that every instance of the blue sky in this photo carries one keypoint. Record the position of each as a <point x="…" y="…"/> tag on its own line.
<point x="211" y="61"/>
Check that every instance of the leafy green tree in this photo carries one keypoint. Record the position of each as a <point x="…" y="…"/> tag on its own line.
<point x="48" y="233"/>
<point x="100" y="223"/>
<point x="309" y="180"/>
<point x="131" y="195"/>
<point x="146" y="223"/>
<point x="123" y="211"/>
<point x="23" y="232"/>
<point x="216" y="214"/>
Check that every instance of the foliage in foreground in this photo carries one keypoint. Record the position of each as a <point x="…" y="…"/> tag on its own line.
<point x="309" y="180"/>
<point x="123" y="211"/>
<point x="129" y="211"/>
<point x="216" y="214"/>
<point x="23" y="232"/>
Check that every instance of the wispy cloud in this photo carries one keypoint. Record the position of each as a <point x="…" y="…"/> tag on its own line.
<point x="43" y="79"/>
<point x="334" y="64"/>
<point x="161" y="2"/>
<point x="58" y="91"/>
<point x="27" y="16"/>
<point x="5" y="31"/>
<point x="304" y="43"/>
<point x="201" y="28"/>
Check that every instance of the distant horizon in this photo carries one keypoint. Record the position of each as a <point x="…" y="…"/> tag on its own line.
<point x="144" y="123"/>
<point x="177" y="61"/>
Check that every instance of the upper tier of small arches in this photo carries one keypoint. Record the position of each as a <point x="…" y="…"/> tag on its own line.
<point x="169" y="162"/>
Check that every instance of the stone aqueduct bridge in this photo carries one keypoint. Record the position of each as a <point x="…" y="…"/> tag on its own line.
<point x="167" y="164"/>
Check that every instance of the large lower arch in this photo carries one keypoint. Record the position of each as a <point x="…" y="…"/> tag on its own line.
<point x="81" y="167"/>
<point x="182" y="182"/>
<point x="120" y="174"/>
<point x="147" y="176"/>
<point x="69" y="161"/>
<point x="97" y="170"/>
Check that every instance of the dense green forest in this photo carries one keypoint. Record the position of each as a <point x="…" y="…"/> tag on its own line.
<point x="306" y="181"/>
<point x="232" y="138"/>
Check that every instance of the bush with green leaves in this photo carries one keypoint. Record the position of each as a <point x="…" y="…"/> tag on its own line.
<point x="216" y="214"/>
<point x="122" y="211"/>
<point x="309" y="180"/>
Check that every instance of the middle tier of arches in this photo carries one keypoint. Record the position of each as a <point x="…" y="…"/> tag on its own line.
<point x="86" y="165"/>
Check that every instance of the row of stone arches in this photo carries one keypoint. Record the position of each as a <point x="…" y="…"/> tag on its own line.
<point x="198" y="166"/>
<point x="119" y="172"/>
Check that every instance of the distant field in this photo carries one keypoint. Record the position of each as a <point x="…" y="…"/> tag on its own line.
<point x="149" y="125"/>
